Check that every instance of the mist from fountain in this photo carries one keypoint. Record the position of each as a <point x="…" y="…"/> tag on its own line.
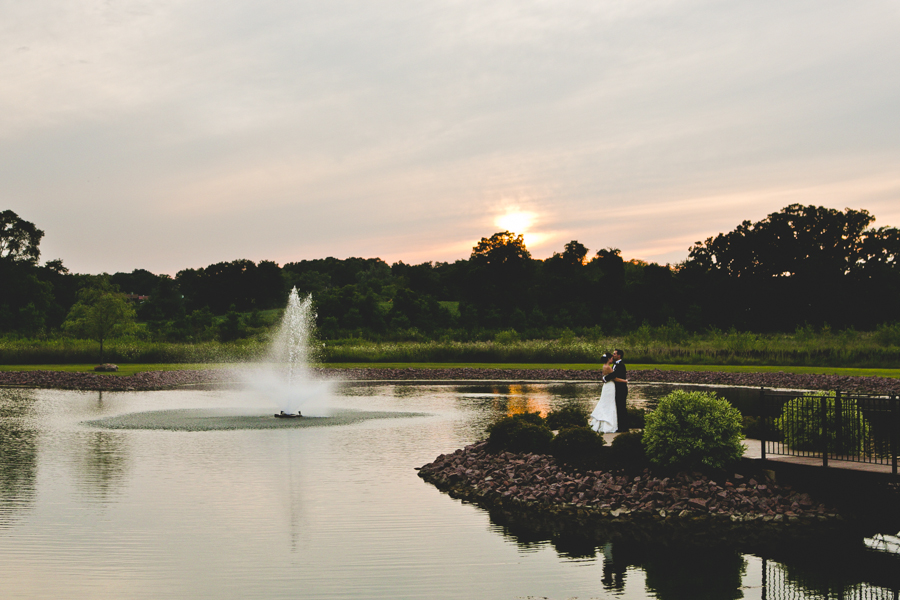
<point x="285" y="378"/>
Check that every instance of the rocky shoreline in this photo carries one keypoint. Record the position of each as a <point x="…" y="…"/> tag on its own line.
<point x="752" y="510"/>
<point x="536" y="480"/>
<point x="157" y="380"/>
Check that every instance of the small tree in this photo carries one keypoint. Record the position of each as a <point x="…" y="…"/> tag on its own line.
<point x="801" y="424"/>
<point x="693" y="430"/>
<point x="100" y="313"/>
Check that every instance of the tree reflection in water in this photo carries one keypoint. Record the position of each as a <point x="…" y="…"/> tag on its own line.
<point x="684" y="570"/>
<point x="103" y="462"/>
<point x="18" y="454"/>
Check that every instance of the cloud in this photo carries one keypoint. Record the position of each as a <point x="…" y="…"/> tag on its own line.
<point x="179" y="133"/>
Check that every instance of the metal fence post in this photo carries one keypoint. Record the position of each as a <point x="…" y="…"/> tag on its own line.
<point x="824" y="411"/>
<point x="838" y="422"/>
<point x="764" y="422"/>
<point x="895" y="433"/>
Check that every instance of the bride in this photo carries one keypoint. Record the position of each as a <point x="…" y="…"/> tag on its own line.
<point x="604" y="418"/>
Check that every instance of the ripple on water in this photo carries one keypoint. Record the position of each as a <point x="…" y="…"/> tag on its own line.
<point x="220" y="420"/>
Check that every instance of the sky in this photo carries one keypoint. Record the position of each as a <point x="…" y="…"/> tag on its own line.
<point x="174" y="134"/>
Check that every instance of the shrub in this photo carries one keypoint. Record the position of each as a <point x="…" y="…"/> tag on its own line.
<point x="888" y="334"/>
<point x="800" y="424"/>
<point x="634" y="418"/>
<point x="568" y="416"/>
<point x="518" y="434"/>
<point x="534" y="418"/>
<point x="506" y="337"/>
<point x="693" y="430"/>
<point x="627" y="452"/>
<point x="752" y="427"/>
<point x="577" y="445"/>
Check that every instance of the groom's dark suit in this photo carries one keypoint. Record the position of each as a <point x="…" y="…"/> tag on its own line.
<point x="620" y="372"/>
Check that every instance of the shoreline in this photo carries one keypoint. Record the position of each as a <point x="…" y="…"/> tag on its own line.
<point x="748" y="509"/>
<point x="161" y="380"/>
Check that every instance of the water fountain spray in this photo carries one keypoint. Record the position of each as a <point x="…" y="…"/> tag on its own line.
<point x="292" y="349"/>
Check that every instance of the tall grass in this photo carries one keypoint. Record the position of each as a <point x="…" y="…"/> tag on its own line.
<point x="879" y="349"/>
<point x="74" y="351"/>
<point x="713" y="348"/>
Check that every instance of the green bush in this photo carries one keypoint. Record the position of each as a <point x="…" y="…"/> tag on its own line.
<point x="800" y="424"/>
<point x="577" y="445"/>
<point x="693" y="430"/>
<point x="534" y="418"/>
<point x="520" y="434"/>
<point x="570" y="415"/>
<point x="752" y="427"/>
<point x="634" y="418"/>
<point x="509" y="336"/>
<point x="888" y="334"/>
<point x="627" y="452"/>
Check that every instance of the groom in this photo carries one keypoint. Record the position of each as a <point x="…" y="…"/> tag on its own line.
<point x="620" y="377"/>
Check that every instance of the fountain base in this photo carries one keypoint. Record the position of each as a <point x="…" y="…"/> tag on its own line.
<point x="284" y="415"/>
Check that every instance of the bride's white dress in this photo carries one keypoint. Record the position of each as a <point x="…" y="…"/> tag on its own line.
<point x="604" y="418"/>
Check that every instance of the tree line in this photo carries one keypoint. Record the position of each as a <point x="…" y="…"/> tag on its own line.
<point x="804" y="266"/>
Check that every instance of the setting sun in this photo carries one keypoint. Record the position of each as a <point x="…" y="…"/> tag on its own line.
<point x="515" y="222"/>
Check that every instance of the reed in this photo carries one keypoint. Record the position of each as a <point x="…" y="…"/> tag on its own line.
<point x="802" y="348"/>
<point x="75" y="351"/>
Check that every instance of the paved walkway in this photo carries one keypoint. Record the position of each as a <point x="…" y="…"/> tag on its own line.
<point x="753" y="450"/>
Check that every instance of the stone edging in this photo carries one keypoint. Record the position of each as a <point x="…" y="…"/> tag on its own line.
<point x="529" y="487"/>
<point x="156" y="380"/>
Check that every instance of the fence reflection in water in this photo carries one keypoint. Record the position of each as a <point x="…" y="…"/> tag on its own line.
<point x="779" y="583"/>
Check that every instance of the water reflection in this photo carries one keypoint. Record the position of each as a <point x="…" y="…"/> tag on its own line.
<point x="18" y="454"/>
<point x="337" y="512"/>
<point x="809" y="570"/>
<point x="102" y="462"/>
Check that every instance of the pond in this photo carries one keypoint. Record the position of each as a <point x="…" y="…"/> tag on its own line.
<point x="95" y="504"/>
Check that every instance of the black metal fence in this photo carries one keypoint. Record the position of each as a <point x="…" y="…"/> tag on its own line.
<point x="778" y="583"/>
<point x="833" y="426"/>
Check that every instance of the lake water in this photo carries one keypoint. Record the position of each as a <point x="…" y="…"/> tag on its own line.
<point x="88" y="510"/>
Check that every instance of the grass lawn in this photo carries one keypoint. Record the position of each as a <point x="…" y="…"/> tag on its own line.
<point x="124" y="369"/>
<point x="843" y="371"/>
<point x="129" y="369"/>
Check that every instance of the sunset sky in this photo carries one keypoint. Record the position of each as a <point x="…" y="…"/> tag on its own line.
<point x="169" y="134"/>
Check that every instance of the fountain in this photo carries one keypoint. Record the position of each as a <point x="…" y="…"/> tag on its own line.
<point x="283" y="378"/>
<point x="286" y="378"/>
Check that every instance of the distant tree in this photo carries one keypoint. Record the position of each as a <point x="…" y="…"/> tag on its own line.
<point x="803" y="264"/>
<point x="140" y="281"/>
<point x="564" y="287"/>
<point x="573" y="255"/>
<point x="232" y="327"/>
<point x="20" y="240"/>
<point x="503" y="249"/>
<point x="797" y="241"/>
<point x="165" y="302"/>
<point x="423" y="278"/>
<point x="26" y="298"/>
<point x="612" y="268"/>
<point x="100" y="313"/>
<point x="418" y="310"/>
<point x="499" y="279"/>
<point x="269" y="286"/>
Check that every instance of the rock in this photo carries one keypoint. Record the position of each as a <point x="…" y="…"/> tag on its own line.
<point x="697" y="503"/>
<point x="106" y="368"/>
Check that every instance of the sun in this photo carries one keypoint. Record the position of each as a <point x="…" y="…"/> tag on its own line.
<point x="515" y="222"/>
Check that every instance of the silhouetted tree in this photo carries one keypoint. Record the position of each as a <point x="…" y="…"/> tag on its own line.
<point x="20" y="240"/>
<point x="802" y="264"/>
<point x="499" y="278"/>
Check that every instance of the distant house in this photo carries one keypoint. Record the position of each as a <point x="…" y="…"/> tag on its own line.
<point x="136" y="298"/>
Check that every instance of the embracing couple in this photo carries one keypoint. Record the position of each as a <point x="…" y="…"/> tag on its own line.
<point x="605" y="419"/>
